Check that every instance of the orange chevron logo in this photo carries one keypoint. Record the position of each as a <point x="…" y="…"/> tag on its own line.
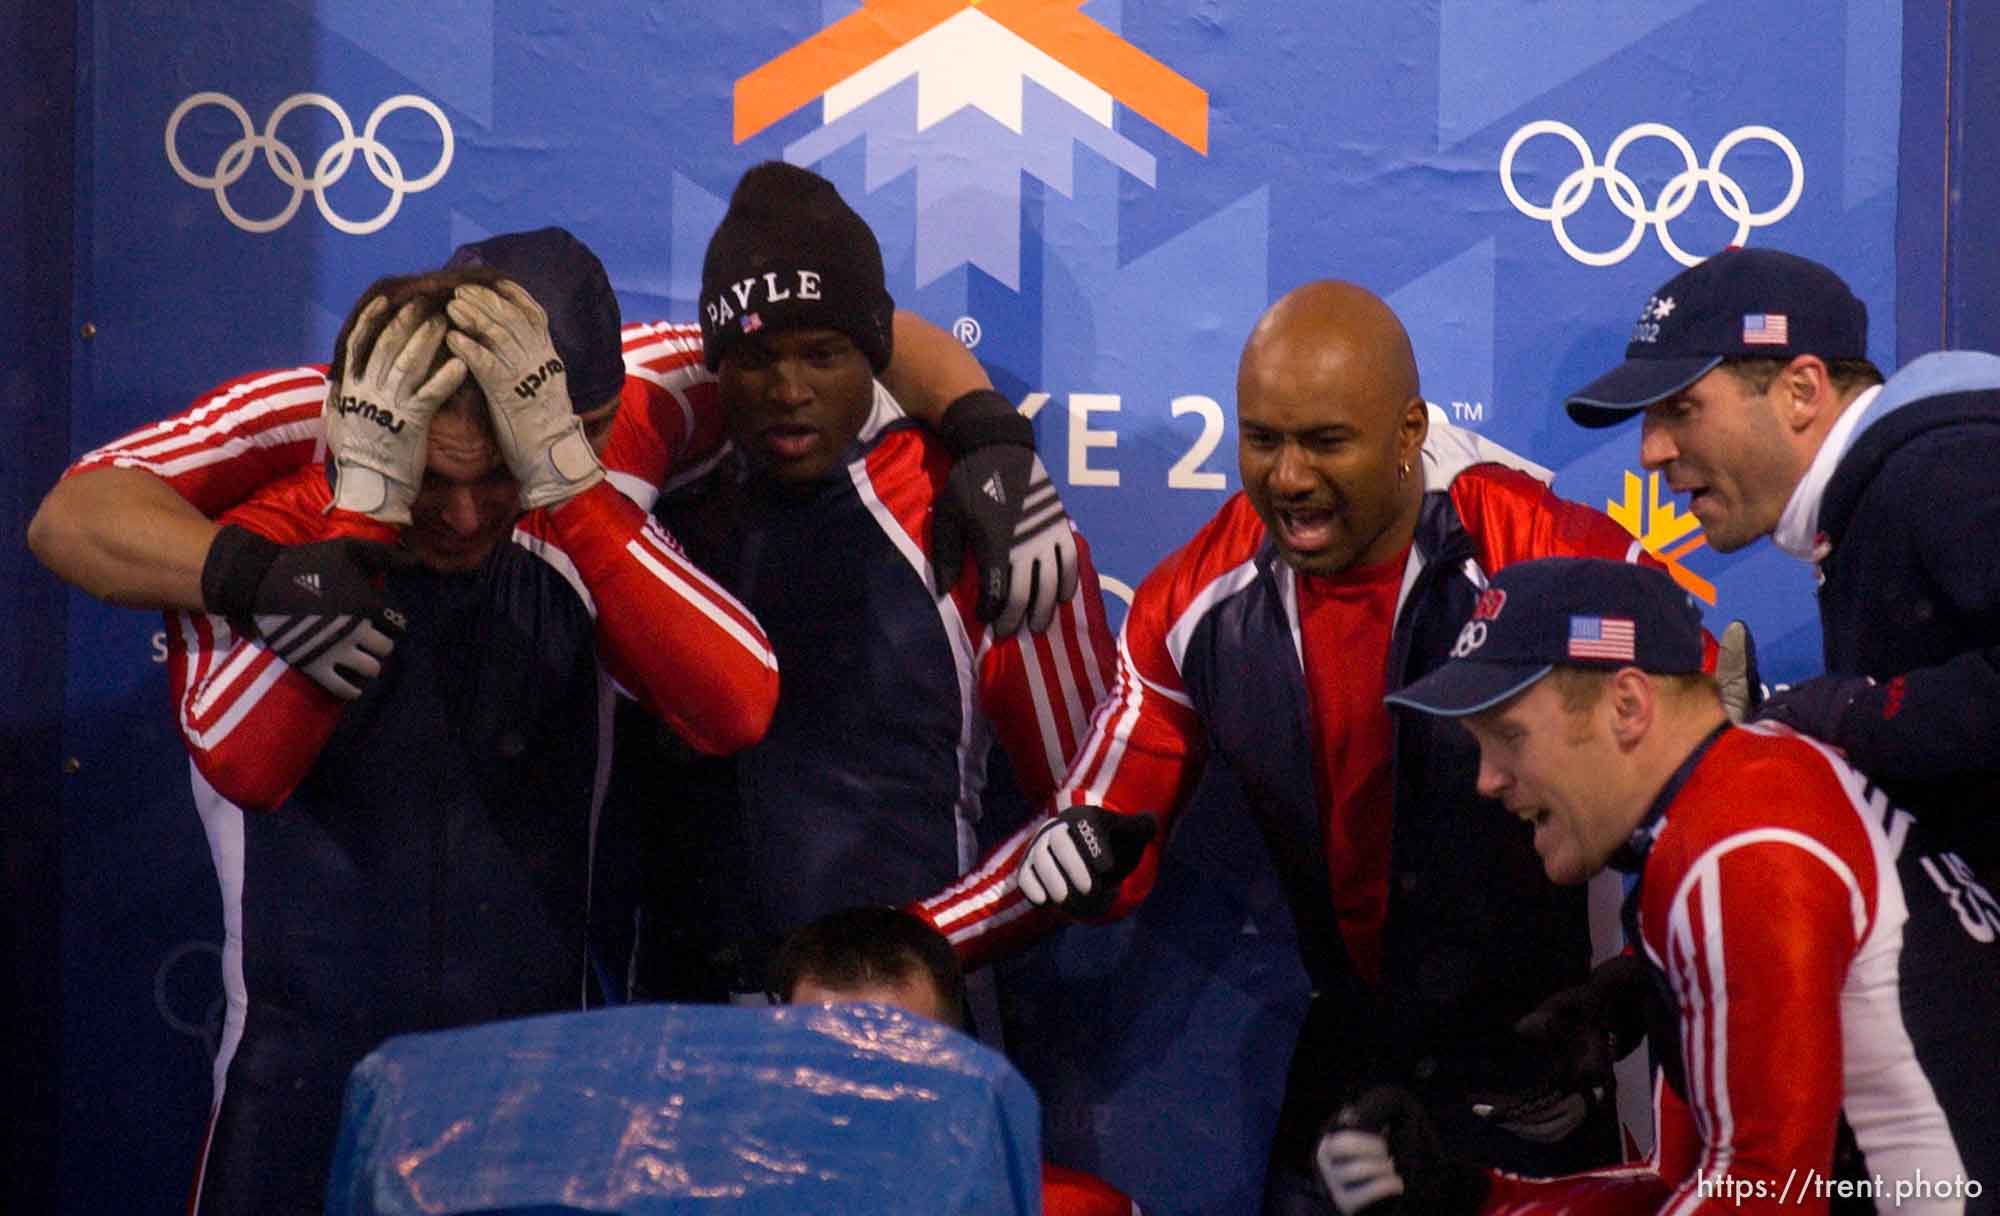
<point x="1073" y="45"/>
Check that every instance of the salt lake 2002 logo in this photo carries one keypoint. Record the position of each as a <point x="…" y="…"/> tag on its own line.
<point x="971" y="94"/>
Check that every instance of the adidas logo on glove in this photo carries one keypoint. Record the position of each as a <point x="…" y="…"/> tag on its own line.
<point x="1086" y="835"/>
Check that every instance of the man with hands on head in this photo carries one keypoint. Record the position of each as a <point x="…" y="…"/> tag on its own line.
<point x="1816" y="954"/>
<point x="1366" y="530"/>
<point x="1750" y="375"/>
<point x="378" y="429"/>
<point x="426" y="858"/>
<point x="133" y="523"/>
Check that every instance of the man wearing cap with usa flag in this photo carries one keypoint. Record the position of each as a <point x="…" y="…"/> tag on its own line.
<point x="1816" y="954"/>
<point x="1750" y="373"/>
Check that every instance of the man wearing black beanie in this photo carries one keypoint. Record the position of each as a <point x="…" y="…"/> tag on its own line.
<point x="789" y="254"/>
<point x="792" y="254"/>
<point x="867" y="786"/>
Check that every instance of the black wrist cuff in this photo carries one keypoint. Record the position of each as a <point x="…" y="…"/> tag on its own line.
<point x="238" y="559"/>
<point x="983" y="418"/>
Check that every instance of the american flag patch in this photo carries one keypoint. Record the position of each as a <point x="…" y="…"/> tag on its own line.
<point x="752" y="322"/>
<point x="1600" y="637"/>
<point x="1765" y="329"/>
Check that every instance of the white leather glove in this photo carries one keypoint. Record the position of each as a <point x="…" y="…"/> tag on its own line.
<point x="378" y="414"/>
<point x="503" y="336"/>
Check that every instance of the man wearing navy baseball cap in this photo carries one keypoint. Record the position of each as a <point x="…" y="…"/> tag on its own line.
<point x="1572" y="623"/>
<point x="1806" y="962"/>
<point x="1757" y="399"/>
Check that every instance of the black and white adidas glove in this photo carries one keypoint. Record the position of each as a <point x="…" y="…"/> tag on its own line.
<point x="1000" y="501"/>
<point x="1078" y="860"/>
<point x="315" y="606"/>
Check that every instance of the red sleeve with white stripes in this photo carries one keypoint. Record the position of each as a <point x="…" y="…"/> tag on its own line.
<point x="1039" y="689"/>
<point x="233" y="440"/>
<point x="1514" y="518"/>
<point x="667" y="632"/>
<point x="1146" y="746"/>
<point x="1753" y="906"/>
<point x="669" y="425"/>
<point x="253" y="725"/>
<point x="1143" y="752"/>
<point x="1756" y="934"/>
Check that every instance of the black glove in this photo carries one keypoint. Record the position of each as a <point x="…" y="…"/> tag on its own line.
<point x="1380" y="1155"/>
<point x="1570" y="1043"/>
<point x="1819" y="707"/>
<point x="999" y="499"/>
<point x="315" y="606"/>
<point x="1078" y="860"/>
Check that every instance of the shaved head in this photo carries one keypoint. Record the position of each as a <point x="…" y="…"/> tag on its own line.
<point x="1328" y="332"/>
<point x="1330" y="427"/>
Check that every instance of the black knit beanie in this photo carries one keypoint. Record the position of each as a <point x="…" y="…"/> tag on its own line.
<point x="791" y="254"/>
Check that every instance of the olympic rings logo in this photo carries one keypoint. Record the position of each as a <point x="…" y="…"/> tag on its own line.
<point x="1675" y="197"/>
<point x="332" y="165"/>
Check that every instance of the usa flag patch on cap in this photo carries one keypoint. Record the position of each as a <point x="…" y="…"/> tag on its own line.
<point x="1766" y="329"/>
<point x="1601" y="637"/>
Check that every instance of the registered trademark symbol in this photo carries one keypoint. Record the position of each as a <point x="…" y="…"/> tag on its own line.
<point x="966" y="330"/>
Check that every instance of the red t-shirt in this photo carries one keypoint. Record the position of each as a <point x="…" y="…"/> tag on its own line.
<point x="1345" y="622"/>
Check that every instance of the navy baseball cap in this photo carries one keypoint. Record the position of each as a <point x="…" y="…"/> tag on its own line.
<point x="1561" y="612"/>
<point x="569" y="283"/>
<point x="1741" y="303"/>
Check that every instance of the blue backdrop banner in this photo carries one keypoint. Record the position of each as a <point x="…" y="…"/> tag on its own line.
<point x="1097" y="198"/>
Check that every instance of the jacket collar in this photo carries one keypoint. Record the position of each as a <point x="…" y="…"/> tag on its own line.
<point x="1630" y="857"/>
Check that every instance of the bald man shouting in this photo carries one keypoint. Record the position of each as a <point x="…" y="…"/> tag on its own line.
<point x="1357" y="550"/>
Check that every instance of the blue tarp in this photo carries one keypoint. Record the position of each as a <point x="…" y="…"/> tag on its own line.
<point x="666" y="1108"/>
